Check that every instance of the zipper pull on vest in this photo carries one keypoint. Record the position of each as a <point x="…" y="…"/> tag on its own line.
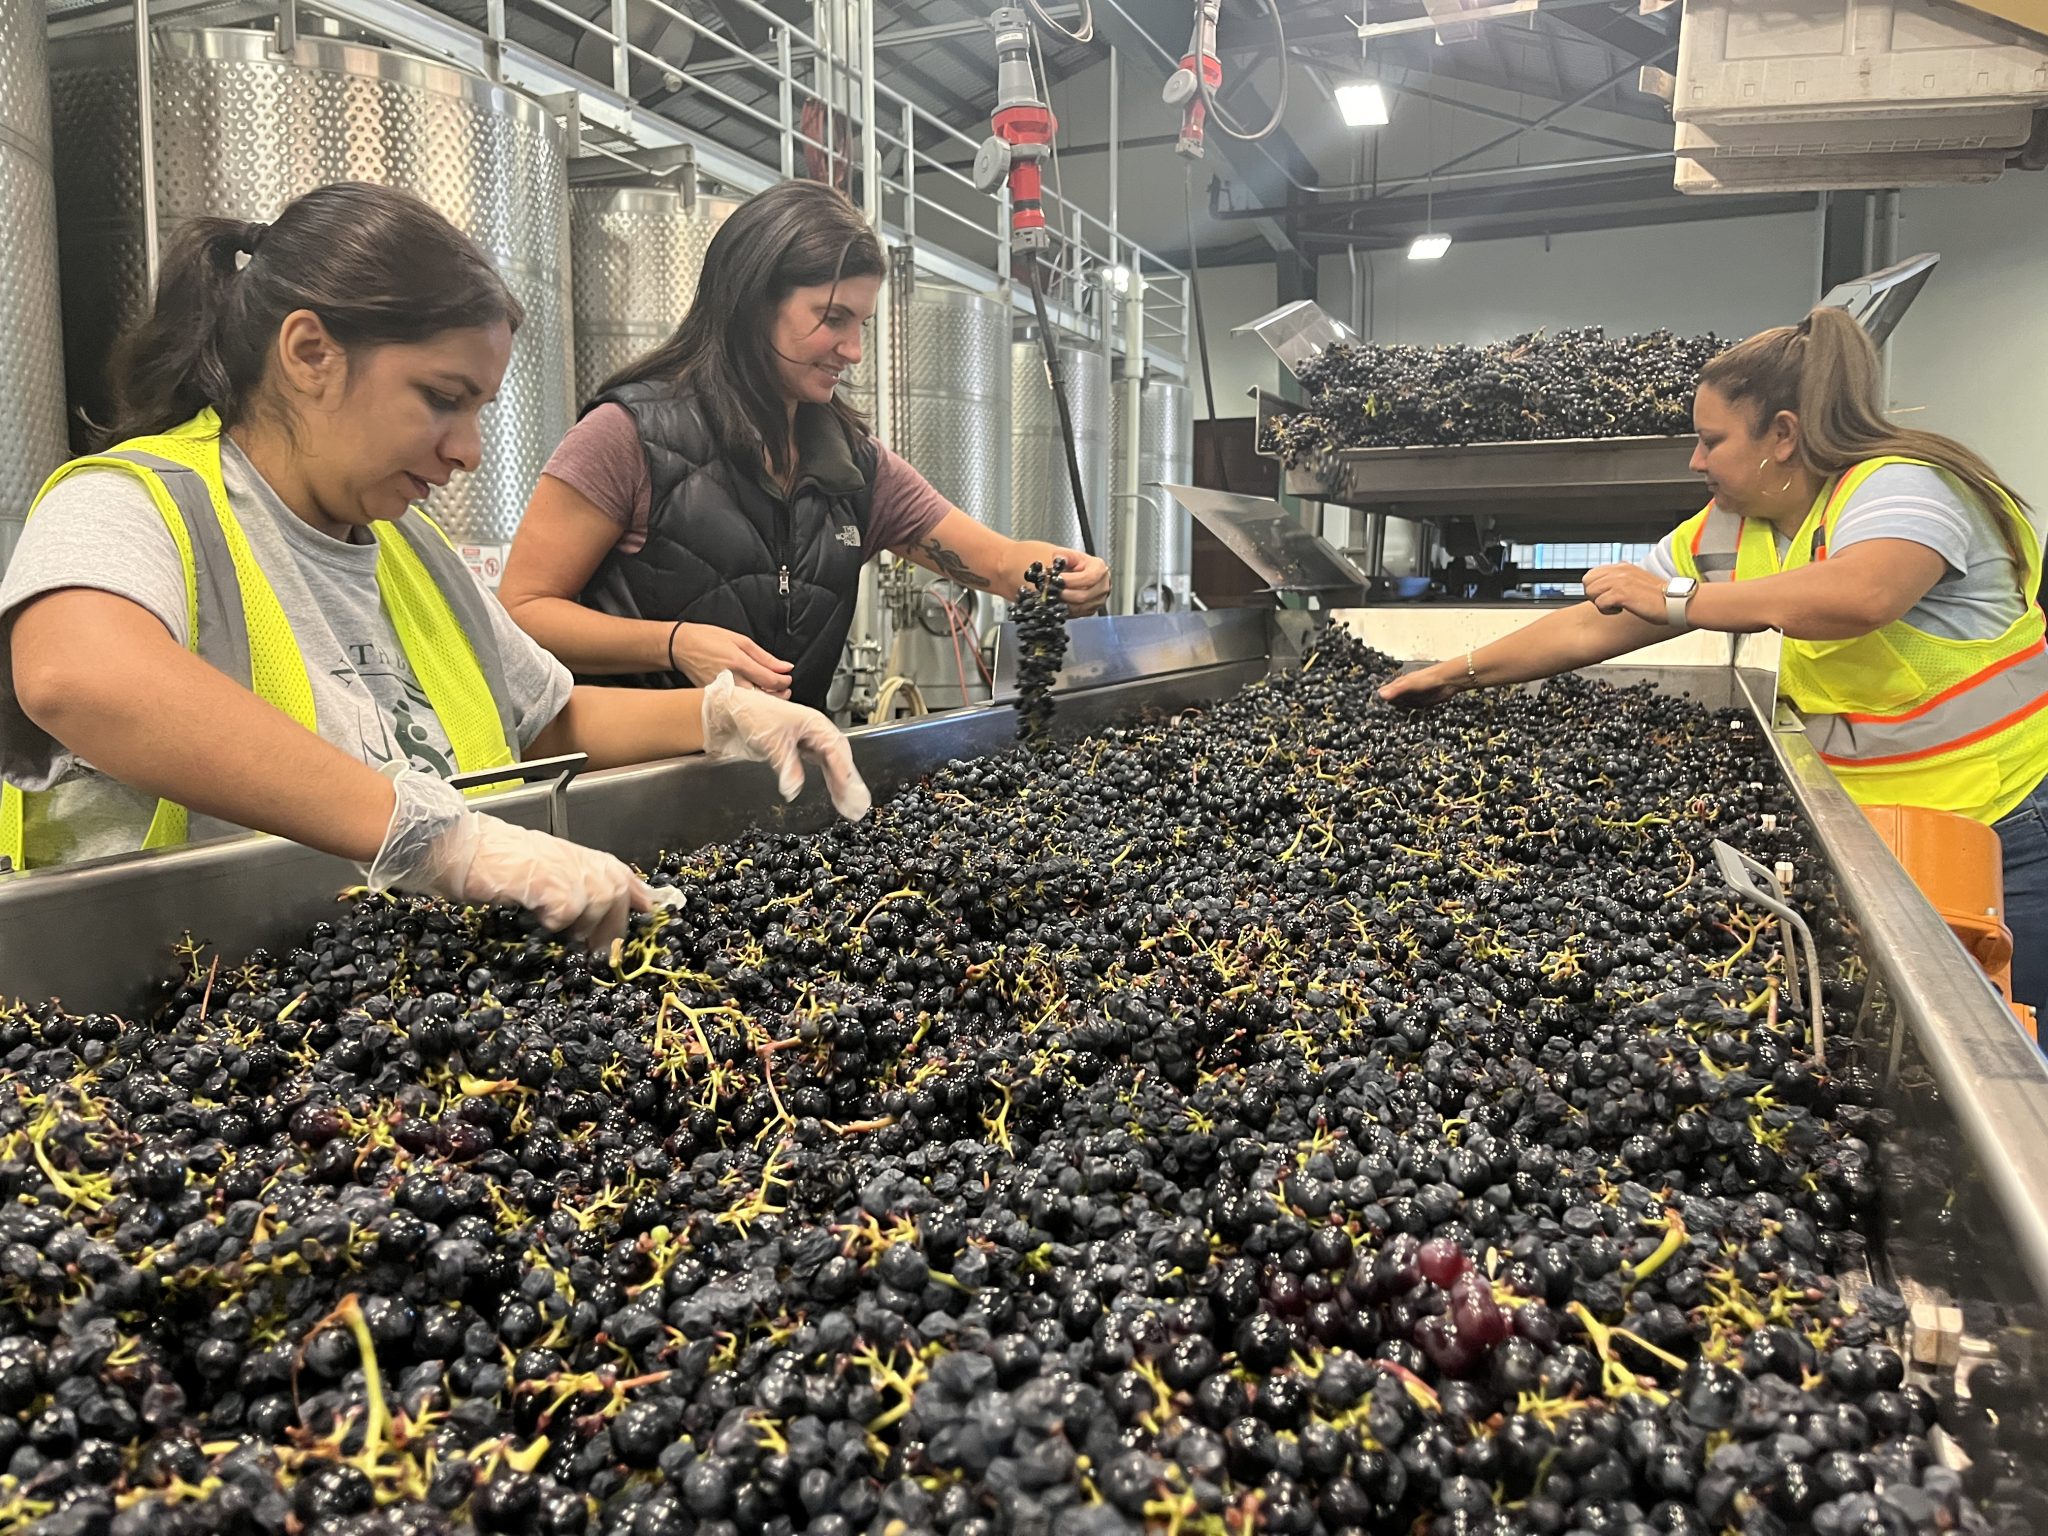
<point x="782" y="584"/>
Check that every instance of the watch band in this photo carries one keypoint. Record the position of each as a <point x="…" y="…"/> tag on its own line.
<point x="1678" y="594"/>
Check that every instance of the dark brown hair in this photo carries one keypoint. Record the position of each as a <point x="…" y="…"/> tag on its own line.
<point x="1825" y="371"/>
<point x="796" y="234"/>
<point x="378" y="266"/>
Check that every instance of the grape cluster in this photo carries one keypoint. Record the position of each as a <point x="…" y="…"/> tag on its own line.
<point x="1299" y="1116"/>
<point x="1041" y="618"/>
<point x="1567" y="384"/>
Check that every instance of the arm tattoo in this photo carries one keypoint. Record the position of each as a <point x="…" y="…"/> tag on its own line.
<point x="951" y="566"/>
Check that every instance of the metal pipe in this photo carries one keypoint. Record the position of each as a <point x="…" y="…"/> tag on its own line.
<point x="1888" y="253"/>
<point x="494" y="19"/>
<point x="1123" y="554"/>
<point x="1114" y="129"/>
<point x="786" y="90"/>
<point x="871" y="140"/>
<point x="896" y="37"/>
<point x="1503" y="173"/>
<point x="1073" y="151"/>
<point x="909" y="173"/>
<point x="145" y="119"/>
<point x="622" y="72"/>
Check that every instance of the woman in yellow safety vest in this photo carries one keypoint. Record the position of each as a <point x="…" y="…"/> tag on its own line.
<point x="1905" y="579"/>
<point x="238" y="617"/>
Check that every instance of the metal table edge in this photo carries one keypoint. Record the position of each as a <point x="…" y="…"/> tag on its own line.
<point x="1995" y="1078"/>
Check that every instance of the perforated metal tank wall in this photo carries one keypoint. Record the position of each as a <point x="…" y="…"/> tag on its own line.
<point x="956" y="426"/>
<point x="1166" y="452"/>
<point x="1041" y="491"/>
<point x="31" y="346"/>
<point x="240" y="133"/>
<point x="636" y="253"/>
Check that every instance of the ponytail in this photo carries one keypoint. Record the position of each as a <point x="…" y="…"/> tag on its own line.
<point x="1825" y="371"/>
<point x="378" y="266"/>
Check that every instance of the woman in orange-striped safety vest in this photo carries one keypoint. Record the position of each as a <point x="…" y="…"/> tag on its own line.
<point x="1904" y="577"/>
<point x="236" y="617"/>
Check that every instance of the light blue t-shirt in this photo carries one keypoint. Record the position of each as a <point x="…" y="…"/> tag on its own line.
<point x="1978" y="596"/>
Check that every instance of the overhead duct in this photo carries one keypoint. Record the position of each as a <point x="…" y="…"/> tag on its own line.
<point x="1821" y="95"/>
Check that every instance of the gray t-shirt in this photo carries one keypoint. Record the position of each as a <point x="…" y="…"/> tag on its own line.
<point x="1978" y="596"/>
<point x="100" y="529"/>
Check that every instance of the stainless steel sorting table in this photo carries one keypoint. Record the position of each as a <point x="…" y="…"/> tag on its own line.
<point x="1960" y="1078"/>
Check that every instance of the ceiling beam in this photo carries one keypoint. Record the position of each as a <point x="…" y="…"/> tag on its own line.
<point x="1678" y="209"/>
<point x="1407" y="86"/>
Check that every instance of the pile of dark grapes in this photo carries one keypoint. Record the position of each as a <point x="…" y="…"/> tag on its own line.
<point x="1040" y="613"/>
<point x="1297" y="1116"/>
<point x="1566" y="384"/>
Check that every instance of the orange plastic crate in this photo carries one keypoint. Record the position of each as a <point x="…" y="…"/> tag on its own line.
<point x="1959" y="866"/>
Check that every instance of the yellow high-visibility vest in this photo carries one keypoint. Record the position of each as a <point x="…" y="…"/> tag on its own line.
<point x="235" y="621"/>
<point x="1903" y="717"/>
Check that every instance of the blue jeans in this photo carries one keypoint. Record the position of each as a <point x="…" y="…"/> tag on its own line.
<point x="2023" y="834"/>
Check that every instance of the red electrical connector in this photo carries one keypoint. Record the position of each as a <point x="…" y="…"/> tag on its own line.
<point x="1024" y="127"/>
<point x="1199" y="77"/>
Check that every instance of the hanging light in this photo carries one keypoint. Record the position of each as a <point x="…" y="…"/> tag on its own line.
<point x="1431" y="244"/>
<point x="1363" y="103"/>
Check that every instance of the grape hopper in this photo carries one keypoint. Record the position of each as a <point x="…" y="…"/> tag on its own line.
<point x="1256" y="1108"/>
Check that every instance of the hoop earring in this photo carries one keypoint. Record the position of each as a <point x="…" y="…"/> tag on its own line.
<point x="1766" y="464"/>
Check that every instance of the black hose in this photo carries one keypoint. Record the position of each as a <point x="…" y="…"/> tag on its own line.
<point x="1195" y="297"/>
<point x="1059" y="400"/>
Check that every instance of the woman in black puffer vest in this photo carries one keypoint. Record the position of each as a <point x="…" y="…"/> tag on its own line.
<point x="712" y="509"/>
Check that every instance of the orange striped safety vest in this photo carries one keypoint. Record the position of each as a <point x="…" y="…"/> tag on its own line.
<point x="1903" y="717"/>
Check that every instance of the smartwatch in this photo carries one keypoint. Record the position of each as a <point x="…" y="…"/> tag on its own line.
<point x="1678" y="592"/>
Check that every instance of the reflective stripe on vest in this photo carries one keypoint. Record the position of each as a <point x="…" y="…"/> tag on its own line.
<point x="1715" y="543"/>
<point x="1901" y="715"/>
<point x="236" y="623"/>
<point x="2003" y="695"/>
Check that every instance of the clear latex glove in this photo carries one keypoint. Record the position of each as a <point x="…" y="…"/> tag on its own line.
<point x="438" y="846"/>
<point x="746" y="724"/>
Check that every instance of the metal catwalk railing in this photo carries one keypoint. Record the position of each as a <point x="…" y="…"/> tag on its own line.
<point x="914" y="196"/>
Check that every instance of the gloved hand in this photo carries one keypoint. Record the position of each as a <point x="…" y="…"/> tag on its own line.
<point x="437" y="845"/>
<point x="745" y="724"/>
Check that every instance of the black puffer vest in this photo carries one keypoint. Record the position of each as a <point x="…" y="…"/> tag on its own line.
<point x="725" y="548"/>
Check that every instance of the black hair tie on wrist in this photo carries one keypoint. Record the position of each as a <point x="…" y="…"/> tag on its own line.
<point x="671" y="647"/>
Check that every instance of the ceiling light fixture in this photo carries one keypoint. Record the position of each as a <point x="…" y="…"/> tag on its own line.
<point x="1363" y="103"/>
<point x="1431" y="244"/>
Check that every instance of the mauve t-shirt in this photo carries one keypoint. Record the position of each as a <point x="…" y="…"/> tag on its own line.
<point x="602" y="458"/>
